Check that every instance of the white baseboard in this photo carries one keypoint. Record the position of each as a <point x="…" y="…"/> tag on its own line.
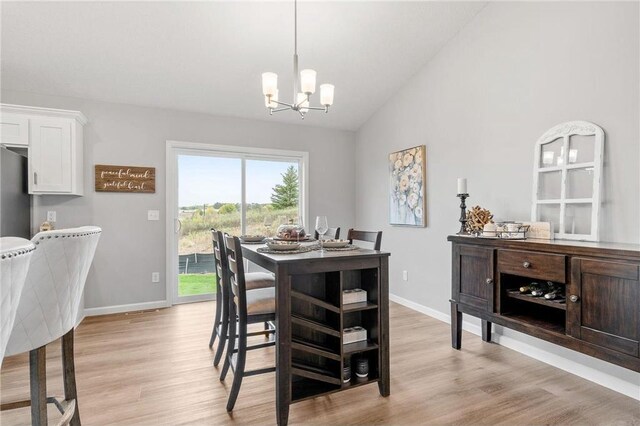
<point x="590" y="373"/>
<point x="117" y="309"/>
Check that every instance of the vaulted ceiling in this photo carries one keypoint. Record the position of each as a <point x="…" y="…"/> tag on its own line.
<point x="208" y="56"/>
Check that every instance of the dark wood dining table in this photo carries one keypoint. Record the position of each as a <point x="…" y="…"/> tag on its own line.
<point x="310" y="316"/>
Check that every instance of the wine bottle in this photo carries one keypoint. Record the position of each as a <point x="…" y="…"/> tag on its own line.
<point x="555" y="292"/>
<point x="529" y="288"/>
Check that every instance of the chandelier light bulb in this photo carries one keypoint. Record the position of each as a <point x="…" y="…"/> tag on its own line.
<point x="273" y="104"/>
<point x="308" y="81"/>
<point x="326" y="94"/>
<point x="269" y="83"/>
<point x="303" y="103"/>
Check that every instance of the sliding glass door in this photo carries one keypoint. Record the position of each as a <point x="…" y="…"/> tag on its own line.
<point x="238" y="192"/>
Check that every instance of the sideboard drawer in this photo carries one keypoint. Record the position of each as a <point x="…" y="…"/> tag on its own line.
<point x="542" y="266"/>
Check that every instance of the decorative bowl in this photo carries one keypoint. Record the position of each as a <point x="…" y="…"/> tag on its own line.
<point x="335" y="243"/>
<point x="252" y="238"/>
<point x="283" y="245"/>
<point x="291" y="232"/>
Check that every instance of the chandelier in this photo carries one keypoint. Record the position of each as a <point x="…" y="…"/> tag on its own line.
<point x="306" y="82"/>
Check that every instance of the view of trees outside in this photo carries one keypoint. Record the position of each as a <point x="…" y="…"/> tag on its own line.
<point x="272" y="192"/>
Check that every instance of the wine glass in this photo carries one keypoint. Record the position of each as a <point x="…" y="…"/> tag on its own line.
<point x="267" y="224"/>
<point x="322" y="227"/>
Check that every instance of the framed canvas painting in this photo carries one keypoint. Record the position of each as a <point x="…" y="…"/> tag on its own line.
<point x="407" y="193"/>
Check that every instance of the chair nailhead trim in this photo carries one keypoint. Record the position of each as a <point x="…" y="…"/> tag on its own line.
<point x="17" y="253"/>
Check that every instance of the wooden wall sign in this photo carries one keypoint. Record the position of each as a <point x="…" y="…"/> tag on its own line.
<point x="125" y="179"/>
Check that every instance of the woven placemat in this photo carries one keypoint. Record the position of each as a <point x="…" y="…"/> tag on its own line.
<point x="298" y="250"/>
<point x="254" y="242"/>
<point x="347" y="248"/>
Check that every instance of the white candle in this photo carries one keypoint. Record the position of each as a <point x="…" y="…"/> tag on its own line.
<point x="462" y="185"/>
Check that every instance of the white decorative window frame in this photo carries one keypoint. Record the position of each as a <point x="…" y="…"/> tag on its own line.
<point x="565" y="131"/>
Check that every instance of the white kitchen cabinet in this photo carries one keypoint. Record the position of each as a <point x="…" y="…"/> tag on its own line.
<point x="55" y="147"/>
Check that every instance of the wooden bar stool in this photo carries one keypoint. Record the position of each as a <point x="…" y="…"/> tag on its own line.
<point x="48" y="310"/>
<point x="374" y="237"/>
<point x="250" y="307"/>
<point x="253" y="280"/>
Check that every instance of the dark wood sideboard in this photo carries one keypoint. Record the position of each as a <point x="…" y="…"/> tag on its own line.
<point x="601" y="316"/>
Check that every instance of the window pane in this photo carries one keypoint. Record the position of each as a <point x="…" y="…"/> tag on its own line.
<point x="549" y="185"/>
<point x="580" y="183"/>
<point x="551" y="153"/>
<point x="209" y="190"/>
<point x="581" y="148"/>
<point x="577" y="219"/>
<point x="550" y="213"/>
<point x="273" y="195"/>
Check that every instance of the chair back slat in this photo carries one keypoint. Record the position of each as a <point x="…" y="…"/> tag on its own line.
<point x="236" y="274"/>
<point x="220" y="262"/>
<point x="333" y="233"/>
<point x="374" y="237"/>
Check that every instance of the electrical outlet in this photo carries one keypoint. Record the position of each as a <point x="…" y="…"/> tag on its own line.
<point x="153" y="215"/>
<point x="155" y="277"/>
<point x="405" y="276"/>
<point x="51" y="216"/>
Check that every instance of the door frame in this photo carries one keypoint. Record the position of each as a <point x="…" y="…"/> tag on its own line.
<point x="175" y="148"/>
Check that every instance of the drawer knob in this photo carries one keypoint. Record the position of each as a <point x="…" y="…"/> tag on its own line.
<point x="574" y="298"/>
<point x="489" y="280"/>
<point x="526" y="264"/>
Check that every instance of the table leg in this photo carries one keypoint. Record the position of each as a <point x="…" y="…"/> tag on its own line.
<point x="486" y="331"/>
<point x="283" y="346"/>
<point x="456" y="326"/>
<point x="384" y="385"/>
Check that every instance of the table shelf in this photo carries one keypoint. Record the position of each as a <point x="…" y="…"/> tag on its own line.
<point x="313" y="348"/>
<point x="359" y="306"/>
<point x="357" y="347"/>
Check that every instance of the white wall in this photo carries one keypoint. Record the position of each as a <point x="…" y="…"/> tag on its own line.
<point x="132" y="247"/>
<point x="513" y="72"/>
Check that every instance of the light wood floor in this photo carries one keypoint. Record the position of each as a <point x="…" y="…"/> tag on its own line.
<point x="155" y="368"/>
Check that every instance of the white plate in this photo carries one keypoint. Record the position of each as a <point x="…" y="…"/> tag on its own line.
<point x="252" y="238"/>
<point x="283" y="247"/>
<point x="335" y="243"/>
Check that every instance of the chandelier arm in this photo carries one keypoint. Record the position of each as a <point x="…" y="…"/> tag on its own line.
<point x="280" y="109"/>
<point x="317" y="108"/>
<point x="289" y="106"/>
<point x="301" y="114"/>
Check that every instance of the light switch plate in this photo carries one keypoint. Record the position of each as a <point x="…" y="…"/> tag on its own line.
<point x="155" y="277"/>
<point x="51" y="216"/>
<point x="153" y="215"/>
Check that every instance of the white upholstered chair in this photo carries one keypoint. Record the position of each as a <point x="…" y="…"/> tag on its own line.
<point x="48" y="310"/>
<point x="15" y="255"/>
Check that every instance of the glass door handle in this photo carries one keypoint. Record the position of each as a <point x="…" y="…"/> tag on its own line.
<point x="178" y="226"/>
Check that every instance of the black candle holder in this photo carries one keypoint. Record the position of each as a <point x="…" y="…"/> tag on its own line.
<point x="463" y="214"/>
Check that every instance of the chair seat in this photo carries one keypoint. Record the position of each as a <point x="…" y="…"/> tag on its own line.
<point x="261" y="301"/>
<point x="255" y="280"/>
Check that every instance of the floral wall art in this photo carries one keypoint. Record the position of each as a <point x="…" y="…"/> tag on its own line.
<point x="407" y="194"/>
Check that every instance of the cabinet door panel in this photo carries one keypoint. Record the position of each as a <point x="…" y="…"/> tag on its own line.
<point x="607" y="311"/>
<point x="473" y="276"/>
<point x="50" y="156"/>
<point x="14" y="130"/>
